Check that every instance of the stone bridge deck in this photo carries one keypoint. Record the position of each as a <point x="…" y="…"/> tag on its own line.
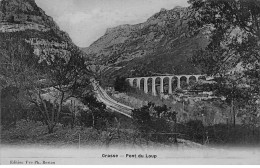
<point x="171" y="78"/>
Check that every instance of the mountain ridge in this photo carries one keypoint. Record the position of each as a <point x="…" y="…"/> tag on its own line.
<point x="161" y="44"/>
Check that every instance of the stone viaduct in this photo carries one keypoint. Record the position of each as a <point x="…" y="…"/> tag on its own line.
<point x="136" y="82"/>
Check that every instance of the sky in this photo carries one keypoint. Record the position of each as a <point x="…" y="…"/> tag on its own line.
<point x="87" y="20"/>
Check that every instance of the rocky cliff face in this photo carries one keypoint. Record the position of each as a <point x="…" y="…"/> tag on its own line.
<point x="159" y="45"/>
<point x="27" y="23"/>
<point x="22" y="11"/>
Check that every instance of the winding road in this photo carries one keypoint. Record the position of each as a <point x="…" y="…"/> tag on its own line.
<point x="111" y="104"/>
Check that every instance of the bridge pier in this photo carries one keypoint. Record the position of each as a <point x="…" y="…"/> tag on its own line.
<point x="131" y="82"/>
<point x="161" y="84"/>
<point x="178" y="82"/>
<point x="197" y="78"/>
<point x="170" y="85"/>
<point x="146" y="85"/>
<point x="139" y="83"/>
<point x="188" y="80"/>
<point x="154" y="87"/>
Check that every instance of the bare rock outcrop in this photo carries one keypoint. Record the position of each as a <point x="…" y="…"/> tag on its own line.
<point x="24" y="20"/>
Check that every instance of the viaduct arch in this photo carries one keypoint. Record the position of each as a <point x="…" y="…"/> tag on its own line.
<point x="136" y="82"/>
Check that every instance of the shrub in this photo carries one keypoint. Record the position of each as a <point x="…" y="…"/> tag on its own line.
<point x="195" y="130"/>
<point x="121" y="85"/>
<point x="150" y="126"/>
<point x="24" y="130"/>
<point x="97" y="114"/>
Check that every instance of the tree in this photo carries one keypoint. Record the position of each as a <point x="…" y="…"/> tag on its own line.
<point x="152" y="122"/>
<point x="12" y="109"/>
<point x="15" y="60"/>
<point x="195" y="130"/>
<point x="65" y="79"/>
<point x="15" y="63"/>
<point x="47" y="84"/>
<point x="121" y="85"/>
<point x="233" y="28"/>
<point x="97" y="113"/>
<point x="206" y="112"/>
<point x="234" y="34"/>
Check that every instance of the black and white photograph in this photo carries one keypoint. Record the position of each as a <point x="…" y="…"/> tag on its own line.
<point x="130" y="82"/>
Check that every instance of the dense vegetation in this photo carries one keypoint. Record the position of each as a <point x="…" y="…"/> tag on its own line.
<point x="25" y="82"/>
<point x="233" y="51"/>
<point x="159" y="124"/>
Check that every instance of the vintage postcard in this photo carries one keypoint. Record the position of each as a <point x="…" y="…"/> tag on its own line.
<point x="130" y="82"/>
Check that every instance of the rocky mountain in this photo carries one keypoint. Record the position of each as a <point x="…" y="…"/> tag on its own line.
<point x="160" y="45"/>
<point x="24" y="24"/>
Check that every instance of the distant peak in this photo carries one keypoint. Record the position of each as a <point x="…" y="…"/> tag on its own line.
<point x="163" y="10"/>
